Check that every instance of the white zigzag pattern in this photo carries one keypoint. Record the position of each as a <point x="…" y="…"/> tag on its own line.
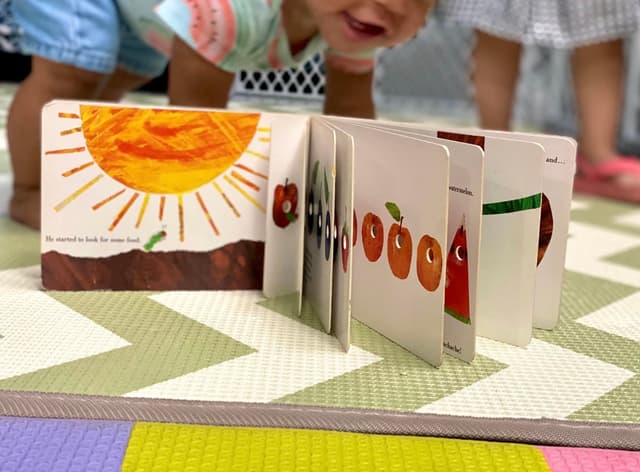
<point x="290" y="356"/>
<point x="541" y="381"/>
<point x="39" y="332"/>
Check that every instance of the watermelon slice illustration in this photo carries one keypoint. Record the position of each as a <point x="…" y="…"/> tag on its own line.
<point x="456" y="293"/>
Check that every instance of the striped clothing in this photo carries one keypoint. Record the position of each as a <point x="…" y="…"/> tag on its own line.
<point x="235" y="35"/>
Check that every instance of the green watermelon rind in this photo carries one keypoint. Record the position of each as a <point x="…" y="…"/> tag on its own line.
<point x="458" y="316"/>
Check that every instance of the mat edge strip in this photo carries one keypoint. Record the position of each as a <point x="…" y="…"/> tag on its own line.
<point x="540" y="432"/>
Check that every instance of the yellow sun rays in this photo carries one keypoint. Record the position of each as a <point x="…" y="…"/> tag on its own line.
<point x="163" y="201"/>
<point x="226" y="199"/>
<point x="102" y="203"/>
<point x="123" y="211"/>
<point x="258" y="155"/>
<point x="75" y="170"/>
<point x="244" y="193"/>
<point x="143" y="208"/>
<point x="241" y="179"/>
<point x="244" y="181"/>
<point x="205" y="210"/>
<point x="181" y="217"/>
<point x="67" y="132"/>
<point x="73" y="150"/>
<point x="251" y="171"/>
<point x="78" y="192"/>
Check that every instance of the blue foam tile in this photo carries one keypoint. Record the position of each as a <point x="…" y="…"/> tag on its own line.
<point x="52" y="445"/>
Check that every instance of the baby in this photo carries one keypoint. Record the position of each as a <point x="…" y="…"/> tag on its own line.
<point x="102" y="49"/>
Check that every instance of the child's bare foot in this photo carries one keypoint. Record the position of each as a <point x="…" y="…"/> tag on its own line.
<point x="24" y="206"/>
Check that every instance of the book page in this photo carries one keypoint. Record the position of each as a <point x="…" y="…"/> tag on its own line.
<point x="401" y="204"/>
<point x="320" y="207"/>
<point x="463" y="241"/>
<point x="150" y="198"/>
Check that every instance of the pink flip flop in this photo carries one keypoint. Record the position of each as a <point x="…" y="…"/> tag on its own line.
<point x="598" y="179"/>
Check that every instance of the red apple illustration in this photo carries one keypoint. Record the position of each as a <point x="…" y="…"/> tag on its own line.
<point x="372" y="236"/>
<point x="285" y="203"/>
<point x="399" y="245"/>
<point x="429" y="263"/>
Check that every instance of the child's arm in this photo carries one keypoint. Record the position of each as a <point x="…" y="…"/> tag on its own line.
<point x="348" y="94"/>
<point x="194" y="81"/>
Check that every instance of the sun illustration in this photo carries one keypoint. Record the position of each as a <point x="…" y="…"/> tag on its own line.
<point x="167" y="154"/>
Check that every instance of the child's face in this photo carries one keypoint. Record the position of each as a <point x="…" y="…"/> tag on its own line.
<point x="358" y="25"/>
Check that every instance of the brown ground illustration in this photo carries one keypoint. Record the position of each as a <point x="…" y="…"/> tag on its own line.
<point x="236" y="266"/>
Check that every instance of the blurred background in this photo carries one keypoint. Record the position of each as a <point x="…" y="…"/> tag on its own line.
<point x="424" y="80"/>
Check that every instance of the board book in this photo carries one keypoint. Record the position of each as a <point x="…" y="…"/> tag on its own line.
<point x="432" y="237"/>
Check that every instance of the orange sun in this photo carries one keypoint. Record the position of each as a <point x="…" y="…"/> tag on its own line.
<point x="160" y="152"/>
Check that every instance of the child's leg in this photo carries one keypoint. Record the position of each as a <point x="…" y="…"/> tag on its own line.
<point x="119" y="84"/>
<point x="495" y="74"/>
<point x="196" y="82"/>
<point x="47" y="81"/>
<point x="74" y="45"/>
<point x="598" y="72"/>
<point x="598" y="75"/>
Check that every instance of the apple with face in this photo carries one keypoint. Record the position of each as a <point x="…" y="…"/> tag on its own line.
<point x="429" y="263"/>
<point x="372" y="236"/>
<point x="399" y="245"/>
<point x="285" y="204"/>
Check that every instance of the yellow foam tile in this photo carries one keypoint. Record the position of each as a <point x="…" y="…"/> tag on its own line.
<point x="170" y="447"/>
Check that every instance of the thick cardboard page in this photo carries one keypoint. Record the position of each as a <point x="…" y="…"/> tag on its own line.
<point x="142" y="198"/>
<point x="285" y="223"/>
<point x="509" y="240"/>
<point x="344" y="238"/>
<point x="466" y="168"/>
<point x="401" y="199"/>
<point x="557" y="189"/>
<point x="510" y="233"/>
<point x="318" y="243"/>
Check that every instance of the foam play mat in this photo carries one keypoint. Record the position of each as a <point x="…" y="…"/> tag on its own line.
<point x="231" y="381"/>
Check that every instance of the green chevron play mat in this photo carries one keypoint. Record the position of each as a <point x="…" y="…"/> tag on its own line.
<point x="231" y="381"/>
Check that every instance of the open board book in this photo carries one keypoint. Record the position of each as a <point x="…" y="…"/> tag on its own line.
<point x="429" y="236"/>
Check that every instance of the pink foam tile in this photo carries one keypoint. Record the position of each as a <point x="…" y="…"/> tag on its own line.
<point x="569" y="459"/>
